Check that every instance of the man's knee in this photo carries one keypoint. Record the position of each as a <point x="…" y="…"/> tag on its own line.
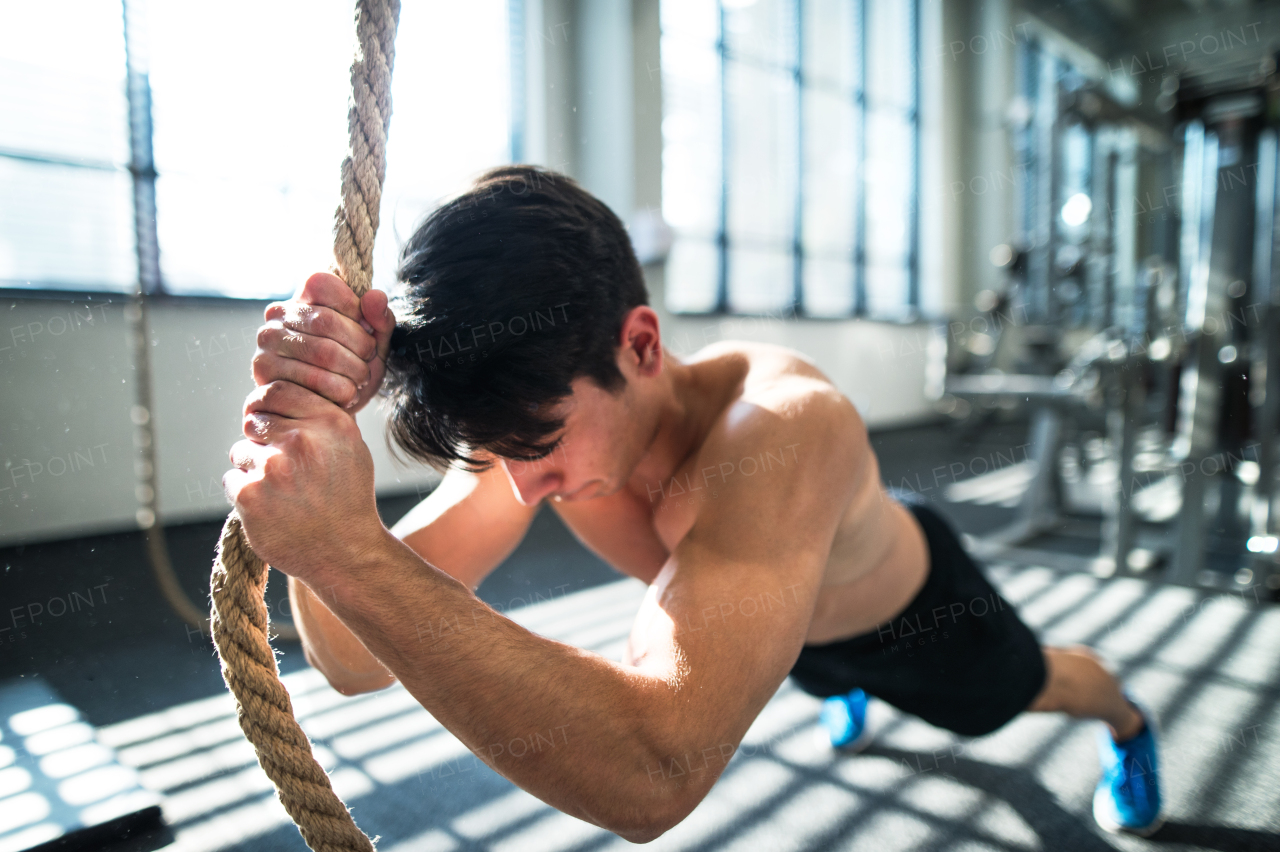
<point x="1046" y="699"/>
<point x="1060" y="665"/>
<point x="1080" y="651"/>
<point x="1071" y="656"/>
<point x="1067" y="670"/>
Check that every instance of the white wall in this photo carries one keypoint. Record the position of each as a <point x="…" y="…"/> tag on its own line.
<point x="66" y="391"/>
<point x="879" y="366"/>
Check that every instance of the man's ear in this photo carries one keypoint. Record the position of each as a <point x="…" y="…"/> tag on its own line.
<point x="641" y="341"/>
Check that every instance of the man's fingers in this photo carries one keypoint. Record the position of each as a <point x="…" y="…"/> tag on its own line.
<point x="234" y="480"/>
<point x="247" y="456"/>
<point x="378" y="316"/>
<point x="250" y="462"/>
<point x="287" y="400"/>
<point x="269" y="368"/>
<point x="331" y="292"/>
<point x="265" y="428"/>
<point x="276" y="338"/>
<point x="323" y="322"/>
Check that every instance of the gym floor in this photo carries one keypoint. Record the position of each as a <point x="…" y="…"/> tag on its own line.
<point x="1209" y="666"/>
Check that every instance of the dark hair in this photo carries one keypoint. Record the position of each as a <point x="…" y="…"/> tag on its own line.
<point x="514" y="289"/>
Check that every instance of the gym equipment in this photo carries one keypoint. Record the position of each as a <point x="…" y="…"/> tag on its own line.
<point x="1172" y="364"/>
<point x="239" y="577"/>
<point x="1081" y="308"/>
<point x="1230" y="397"/>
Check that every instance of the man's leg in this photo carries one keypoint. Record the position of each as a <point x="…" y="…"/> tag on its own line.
<point x="1077" y="684"/>
<point x="1127" y="797"/>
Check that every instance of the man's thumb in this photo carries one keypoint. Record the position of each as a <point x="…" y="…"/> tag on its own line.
<point x="377" y="313"/>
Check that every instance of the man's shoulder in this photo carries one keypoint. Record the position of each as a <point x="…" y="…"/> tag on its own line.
<point x="775" y="372"/>
<point x="787" y="403"/>
<point x="780" y="463"/>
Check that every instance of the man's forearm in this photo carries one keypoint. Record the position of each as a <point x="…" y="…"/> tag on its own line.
<point x="490" y="681"/>
<point x="331" y="647"/>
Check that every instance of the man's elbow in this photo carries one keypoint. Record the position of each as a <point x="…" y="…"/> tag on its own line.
<point x="348" y="683"/>
<point x="646" y="833"/>
<point x="360" y="687"/>
<point x="648" y="827"/>
<point x="647" y="822"/>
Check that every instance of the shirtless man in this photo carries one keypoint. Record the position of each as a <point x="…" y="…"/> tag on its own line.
<point x="738" y="484"/>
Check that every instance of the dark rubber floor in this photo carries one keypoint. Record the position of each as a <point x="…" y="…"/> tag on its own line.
<point x="1209" y="666"/>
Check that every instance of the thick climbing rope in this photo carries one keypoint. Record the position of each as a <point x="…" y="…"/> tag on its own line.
<point x="239" y="580"/>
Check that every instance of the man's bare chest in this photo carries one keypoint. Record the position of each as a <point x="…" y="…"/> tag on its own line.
<point x="633" y="534"/>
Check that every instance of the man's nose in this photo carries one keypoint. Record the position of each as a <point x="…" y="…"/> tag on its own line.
<point x="532" y="481"/>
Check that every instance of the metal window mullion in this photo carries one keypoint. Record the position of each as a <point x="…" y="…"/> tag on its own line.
<point x="722" y="233"/>
<point x="913" y="190"/>
<point x="859" y="171"/>
<point x="141" y="157"/>
<point x="516" y="34"/>
<point x="1264" y="290"/>
<point x="1043" y="163"/>
<point x="55" y="160"/>
<point x="797" y="248"/>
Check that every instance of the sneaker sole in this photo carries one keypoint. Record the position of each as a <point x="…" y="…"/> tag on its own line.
<point x="858" y="745"/>
<point x="854" y="746"/>
<point x="1116" y="828"/>
<point x="1107" y="824"/>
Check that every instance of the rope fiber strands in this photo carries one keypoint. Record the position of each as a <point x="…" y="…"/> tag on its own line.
<point x="239" y="579"/>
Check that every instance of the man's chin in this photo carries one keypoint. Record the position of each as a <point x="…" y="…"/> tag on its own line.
<point x="590" y="491"/>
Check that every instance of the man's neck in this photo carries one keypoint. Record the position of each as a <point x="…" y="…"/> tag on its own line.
<point x="689" y="404"/>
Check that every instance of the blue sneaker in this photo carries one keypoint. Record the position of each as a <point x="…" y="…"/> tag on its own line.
<point x="844" y="718"/>
<point x="1128" y="796"/>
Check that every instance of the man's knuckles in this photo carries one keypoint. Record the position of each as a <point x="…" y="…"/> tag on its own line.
<point x="285" y="317"/>
<point x="287" y="456"/>
<point x="266" y="367"/>
<point x="279" y="397"/>
<point x="276" y="344"/>
<point x="258" y="427"/>
<point x="287" y="462"/>
<point x="325" y="323"/>
<point x="331" y="292"/>
<point x="331" y="325"/>
<point x="277" y="339"/>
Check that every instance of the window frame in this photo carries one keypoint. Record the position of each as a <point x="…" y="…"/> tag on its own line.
<point x="141" y="167"/>
<point x="911" y="311"/>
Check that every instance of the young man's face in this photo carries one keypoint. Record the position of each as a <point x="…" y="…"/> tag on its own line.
<point x="603" y="439"/>
<point x="605" y="434"/>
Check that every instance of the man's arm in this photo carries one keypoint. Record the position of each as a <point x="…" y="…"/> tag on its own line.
<point x="466" y="527"/>
<point x="334" y="344"/>
<point x="331" y="648"/>
<point x="632" y="747"/>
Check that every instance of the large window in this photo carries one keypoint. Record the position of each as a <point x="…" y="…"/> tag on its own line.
<point x="790" y="150"/>
<point x="239" y="115"/>
<point x="66" y="209"/>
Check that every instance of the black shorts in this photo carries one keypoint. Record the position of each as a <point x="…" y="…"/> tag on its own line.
<point x="958" y="656"/>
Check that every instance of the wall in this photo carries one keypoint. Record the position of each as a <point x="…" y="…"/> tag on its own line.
<point x="66" y="391"/>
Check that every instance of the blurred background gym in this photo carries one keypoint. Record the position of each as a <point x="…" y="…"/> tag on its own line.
<point x="1034" y="242"/>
